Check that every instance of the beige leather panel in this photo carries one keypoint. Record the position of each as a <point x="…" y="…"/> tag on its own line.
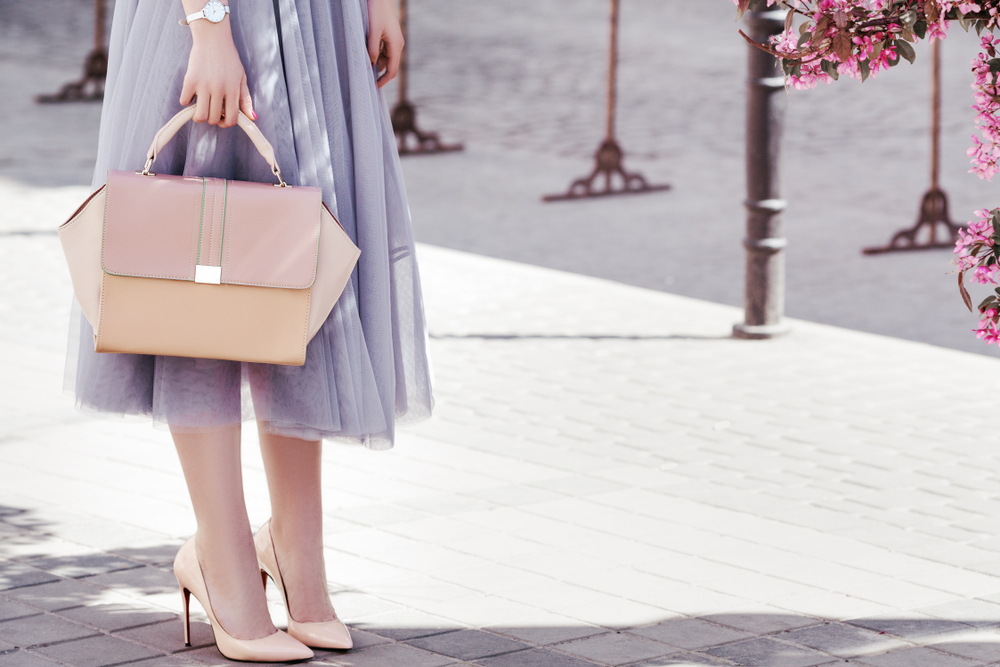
<point x="337" y="257"/>
<point x="177" y="318"/>
<point x="80" y="237"/>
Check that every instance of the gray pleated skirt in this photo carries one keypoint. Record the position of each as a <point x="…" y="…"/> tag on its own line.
<point x="315" y="96"/>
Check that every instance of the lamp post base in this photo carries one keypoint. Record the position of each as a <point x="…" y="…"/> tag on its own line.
<point x="761" y="331"/>
<point x="88" y="89"/>
<point x="404" y="125"/>
<point x="609" y="164"/>
<point x="933" y="219"/>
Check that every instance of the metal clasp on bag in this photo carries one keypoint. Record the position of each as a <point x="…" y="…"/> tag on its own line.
<point x="277" y="172"/>
<point x="208" y="275"/>
<point x="145" y="170"/>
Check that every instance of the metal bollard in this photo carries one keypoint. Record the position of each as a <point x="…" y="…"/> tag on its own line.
<point x="934" y="216"/>
<point x="95" y="68"/>
<point x="764" y="296"/>
<point x="404" y="114"/>
<point x="608" y="161"/>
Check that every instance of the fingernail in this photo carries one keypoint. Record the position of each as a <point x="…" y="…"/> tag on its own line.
<point x="254" y="114"/>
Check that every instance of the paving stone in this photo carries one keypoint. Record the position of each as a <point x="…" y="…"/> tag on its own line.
<point x="468" y="644"/>
<point x="915" y="628"/>
<point x="843" y="640"/>
<point x="616" y="648"/>
<point x="351" y="605"/>
<point x="977" y="613"/>
<point x="112" y="617"/>
<point x="690" y="633"/>
<point x="25" y="659"/>
<point x="163" y="661"/>
<point x="406" y="624"/>
<point x="37" y="630"/>
<point x="766" y="652"/>
<point x="156" y="554"/>
<point x="981" y="645"/>
<point x="73" y="567"/>
<point x="15" y="574"/>
<point x="142" y="580"/>
<point x="578" y="485"/>
<point x="363" y="639"/>
<point x="544" y="635"/>
<point x="56" y="595"/>
<point x="515" y="495"/>
<point x="762" y="623"/>
<point x="10" y="609"/>
<point x="393" y="655"/>
<point x="681" y="660"/>
<point x="97" y="651"/>
<point x="168" y="636"/>
<point x="534" y="658"/>
<point x="922" y="656"/>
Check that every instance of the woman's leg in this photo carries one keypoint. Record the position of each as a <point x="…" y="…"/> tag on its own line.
<point x="224" y="542"/>
<point x="293" y="479"/>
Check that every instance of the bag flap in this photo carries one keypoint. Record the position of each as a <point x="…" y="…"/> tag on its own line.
<point x="164" y="226"/>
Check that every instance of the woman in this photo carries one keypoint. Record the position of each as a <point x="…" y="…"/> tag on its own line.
<point x="309" y="72"/>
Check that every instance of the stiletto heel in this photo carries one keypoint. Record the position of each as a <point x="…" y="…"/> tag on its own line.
<point x="317" y="634"/>
<point x="278" y="647"/>
<point x="186" y="594"/>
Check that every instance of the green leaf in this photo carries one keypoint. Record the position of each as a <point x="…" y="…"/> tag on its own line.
<point x="920" y="29"/>
<point x="905" y="50"/>
<point x="964" y="292"/>
<point x="831" y="69"/>
<point x="866" y="70"/>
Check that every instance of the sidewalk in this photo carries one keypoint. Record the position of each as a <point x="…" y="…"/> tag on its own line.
<point x="608" y="479"/>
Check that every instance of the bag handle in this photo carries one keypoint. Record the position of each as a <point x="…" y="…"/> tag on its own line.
<point x="167" y="132"/>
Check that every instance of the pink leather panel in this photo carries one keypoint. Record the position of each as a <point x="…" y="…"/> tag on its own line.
<point x="271" y="235"/>
<point x="151" y="225"/>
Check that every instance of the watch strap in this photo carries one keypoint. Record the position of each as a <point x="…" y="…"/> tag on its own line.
<point x="197" y="15"/>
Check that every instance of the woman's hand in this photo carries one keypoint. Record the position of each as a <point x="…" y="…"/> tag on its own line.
<point x="215" y="73"/>
<point x="385" y="39"/>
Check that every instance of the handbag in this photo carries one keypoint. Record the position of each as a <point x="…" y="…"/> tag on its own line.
<point x="206" y="267"/>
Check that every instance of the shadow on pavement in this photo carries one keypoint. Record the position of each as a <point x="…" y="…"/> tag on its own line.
<point x="89" y="607"/>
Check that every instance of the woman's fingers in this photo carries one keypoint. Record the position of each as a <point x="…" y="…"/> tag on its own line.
<point x="375" y="32"/>
<point x="231" y="106"/>
<point x="216" y="108"/>
<point x="394" y="52"/>
<point x="187" y="93"/>
<point x="201" y="110"/>
<point x="246" y="101"/>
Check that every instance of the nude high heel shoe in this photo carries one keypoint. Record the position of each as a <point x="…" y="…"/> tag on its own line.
<point x="278" y="647"/>
<point x="318" y="634"/>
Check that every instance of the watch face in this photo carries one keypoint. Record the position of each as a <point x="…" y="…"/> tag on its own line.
<point x="215" y="11"/>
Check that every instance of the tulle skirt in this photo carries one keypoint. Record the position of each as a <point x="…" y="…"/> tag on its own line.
<point x="315" y="96"/>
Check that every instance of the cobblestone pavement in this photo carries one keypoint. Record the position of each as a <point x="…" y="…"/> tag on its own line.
<point x="609" y="478"/>
<point x="599" y="486"/>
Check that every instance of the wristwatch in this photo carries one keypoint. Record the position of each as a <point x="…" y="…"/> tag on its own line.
<point x="213" y="11"/>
